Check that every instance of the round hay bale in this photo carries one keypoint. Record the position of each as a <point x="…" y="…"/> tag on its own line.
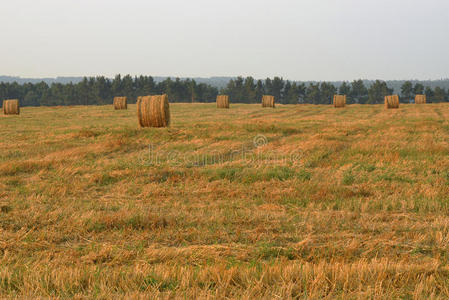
<point x="11" y="107"/>
<point x="139" y="115"/>
<point x="420" y="99"/>
<point x="153" y="111"/>
<point x="120" y="103"/>
<point x="267" y="101"/>
<point x="391" y="101"/>
<point x="339" y="100"/>
<point x="222" y="101"/>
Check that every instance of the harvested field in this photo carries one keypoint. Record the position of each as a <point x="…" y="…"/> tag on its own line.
<point x="301" y="201"/>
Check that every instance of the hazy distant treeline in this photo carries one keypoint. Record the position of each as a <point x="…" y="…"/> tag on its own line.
<point x="287" y="92"/>
<point x="101" y="90"/>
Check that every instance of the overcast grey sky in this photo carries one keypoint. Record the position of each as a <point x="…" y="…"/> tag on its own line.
<point x="299" y="40"/>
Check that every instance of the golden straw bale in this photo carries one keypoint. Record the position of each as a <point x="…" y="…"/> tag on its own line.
<point x="339" y="100"/>
<point x="420" y="99"/>
<point x="120" y="103"/>
<point x="267" y="101"/>
<point x="391" y="101"/>
<point x="153" y="111"/>
<point x="139" y="115"/>
<point x="11" y="107"/>
<point x="222" y="101"/>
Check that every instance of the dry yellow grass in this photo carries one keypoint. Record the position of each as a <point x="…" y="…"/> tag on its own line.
<point x="339" y="100"/>
<point x="153" y="111"/>
<point x="120" y="103"/>
<point x="222" y="101"/>
<point x="268" y="101"/>
<point x="11" y="107"/>
<point x="420" y="99"/>
<point x="392" y="101"/>
<point x="360" y="211"/>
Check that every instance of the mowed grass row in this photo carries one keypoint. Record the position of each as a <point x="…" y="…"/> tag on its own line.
<point x="296" y="201"/>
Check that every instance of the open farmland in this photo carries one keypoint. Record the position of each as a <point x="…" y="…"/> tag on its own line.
<point x="293" y="202"/>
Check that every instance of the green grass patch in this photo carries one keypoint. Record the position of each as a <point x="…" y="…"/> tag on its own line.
<point x="248" y="175"/>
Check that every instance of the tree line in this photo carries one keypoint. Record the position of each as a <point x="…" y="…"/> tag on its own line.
<point x="101" y="90"/>
<point x="248" y="90"/>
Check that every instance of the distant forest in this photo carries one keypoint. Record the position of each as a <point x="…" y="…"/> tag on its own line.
<point x="101" y="90"/>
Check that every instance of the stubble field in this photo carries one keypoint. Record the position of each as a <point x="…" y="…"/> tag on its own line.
<point x="300" y="201"/>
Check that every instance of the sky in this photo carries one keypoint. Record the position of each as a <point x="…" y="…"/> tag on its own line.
<point x="296" y="40"/>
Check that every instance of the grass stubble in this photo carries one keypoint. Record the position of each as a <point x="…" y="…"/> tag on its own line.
<point x="362" y="212"/>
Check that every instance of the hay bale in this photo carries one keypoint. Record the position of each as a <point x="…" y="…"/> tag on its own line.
<point x="420" y="99"/>
<point x="339" y="100"/>
<point x="391" y="101"/>
<point x="153" y="111"/>
<point x="11" y="107"/>
<point x="222" y="101"/>
<point x="139" y="116"/>
<point x="267" y="101"/>
<point x="120" y="103"/>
